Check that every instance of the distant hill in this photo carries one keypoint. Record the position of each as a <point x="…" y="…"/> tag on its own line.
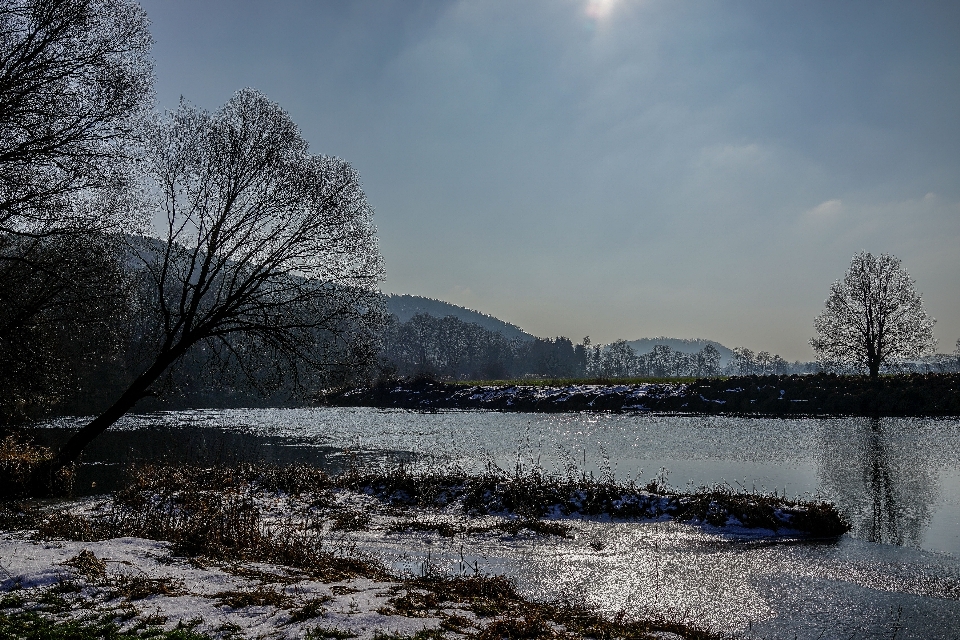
<point x="406" y="306"/>
<point x="646" y="345"/>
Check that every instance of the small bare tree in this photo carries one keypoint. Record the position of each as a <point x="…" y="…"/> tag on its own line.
<point x="873" y="317"/>
<point x="744" y="361"/>
<point x="619" y="360"/>
<point x="708" y="362"/>
<point x="266" y="259"/>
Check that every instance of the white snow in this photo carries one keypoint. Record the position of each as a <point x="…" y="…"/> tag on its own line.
<point x="32" y="566"/>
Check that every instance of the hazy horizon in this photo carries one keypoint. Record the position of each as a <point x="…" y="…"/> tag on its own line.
<point x="617" y="168"/>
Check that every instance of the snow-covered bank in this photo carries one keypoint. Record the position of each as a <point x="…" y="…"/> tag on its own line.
<point x="409" y="556"/>
<point x="430" y="395"/>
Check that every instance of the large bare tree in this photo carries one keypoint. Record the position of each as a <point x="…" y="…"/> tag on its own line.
<point x="266" y="257"/>
<point x="873" y="317"/>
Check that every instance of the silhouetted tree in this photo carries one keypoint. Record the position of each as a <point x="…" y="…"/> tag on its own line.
<point x="74" y="77"/>
<point x="556" y="358"/>
<point x="744" y="362"/>
<point x="619" y="360"/>
<point x="708" y="362"/>
<point x="62" y="308"/>
<point x="872" y="317"/>
<point x="449" y="348"/>
<point x="661" y="361"/>
<point x="267" y="253"/>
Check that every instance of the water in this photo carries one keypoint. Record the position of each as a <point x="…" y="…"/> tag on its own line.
<point x="897" y="480"/>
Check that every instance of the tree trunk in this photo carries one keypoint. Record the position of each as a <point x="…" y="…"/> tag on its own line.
<point x="44" y="478"/>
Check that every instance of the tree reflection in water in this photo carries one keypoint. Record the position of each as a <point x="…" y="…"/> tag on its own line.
<point x="879" y="476"/>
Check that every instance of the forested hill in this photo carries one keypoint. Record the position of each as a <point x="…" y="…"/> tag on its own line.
<point x="406" y="306"/>
<point x="646" y="345"/>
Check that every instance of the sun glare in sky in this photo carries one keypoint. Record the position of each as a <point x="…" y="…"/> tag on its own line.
<point x="600" y="9"/>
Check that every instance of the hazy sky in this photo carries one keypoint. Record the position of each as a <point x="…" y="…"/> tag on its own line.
<point x="617" y="168"/>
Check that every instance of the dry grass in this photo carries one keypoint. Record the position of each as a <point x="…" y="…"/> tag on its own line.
<point x="16" y="516"/>
<point x="310" y="609"/>
<point x="68" y="526"/>
<point x="512" y="527"/>
<point x="501" y="612"/>
<point x="351" y="520"/>
<point x="535" y="495"/>
<point x="22" y="465"/>
<point x="223" y="523"/>
<point x="259" y="597"/>
<point x="566" y="382"/>
<point x="88" y="565"/>
<point x="138" y="587"/>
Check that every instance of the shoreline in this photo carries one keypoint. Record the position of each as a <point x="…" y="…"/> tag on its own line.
<point x="914" y="395"/>
<point x="272" y="551"/>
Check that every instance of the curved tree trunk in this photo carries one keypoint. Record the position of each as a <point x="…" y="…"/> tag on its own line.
<point x="44" y="480"/>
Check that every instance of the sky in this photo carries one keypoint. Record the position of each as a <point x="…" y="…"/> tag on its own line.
<point x="617" y="168"/>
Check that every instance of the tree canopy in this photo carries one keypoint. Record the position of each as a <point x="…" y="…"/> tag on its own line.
<point x="75" y="77"/>
<point x="266" y="260"/>
<point x="873" y="317"/>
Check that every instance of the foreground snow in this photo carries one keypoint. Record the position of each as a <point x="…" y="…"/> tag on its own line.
<point x="200" y="593"/>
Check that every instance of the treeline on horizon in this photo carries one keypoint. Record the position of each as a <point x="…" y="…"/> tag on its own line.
<point x="56" y="378"/>
<point x="450" y="349"/>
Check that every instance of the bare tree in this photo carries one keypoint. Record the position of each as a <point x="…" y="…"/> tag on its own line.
<point x="873" y="317"/>
<point x="708" y="362"/>
<point x="75" y="76"/>
<point x="745" y="362"/>
<point x="61" y="317"/>
<point x="619" y="360"/>
<point x="660" y="361"/>
<point x="267" y="254"/>
<point x="75" y="80"/>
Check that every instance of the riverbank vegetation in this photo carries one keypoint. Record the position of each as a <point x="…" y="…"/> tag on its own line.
<point x="820" y="394"/>
<point x="198" y="552"/>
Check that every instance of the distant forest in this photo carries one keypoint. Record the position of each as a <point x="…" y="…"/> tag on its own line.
<point x="451" y="348"/>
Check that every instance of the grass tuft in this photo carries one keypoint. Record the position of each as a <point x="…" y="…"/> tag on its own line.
<point x="258" y="597"/>
<point x="88" y="565"/>
<point x="31" y="625"/>
<point x="138" y="587"/>
<point x="23" y="464"/>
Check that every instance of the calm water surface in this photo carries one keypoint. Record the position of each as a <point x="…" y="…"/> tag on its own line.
<point x="898" y="481"/>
